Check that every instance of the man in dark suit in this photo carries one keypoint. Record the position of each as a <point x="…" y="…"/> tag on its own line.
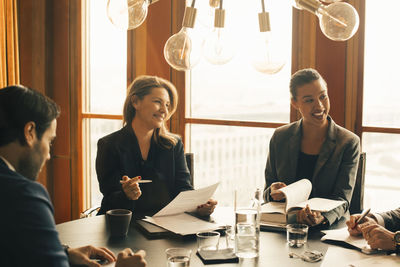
<point x="27" y="228"/>
<point x="381" y="230"/>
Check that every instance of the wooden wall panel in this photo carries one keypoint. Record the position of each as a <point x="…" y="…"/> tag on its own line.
<point x="62" y="189"/>
<point x="44" y="61"/>
<point x="32" y="54"/>
<point x="331" y="63"/>
<point x="158" y="31"/>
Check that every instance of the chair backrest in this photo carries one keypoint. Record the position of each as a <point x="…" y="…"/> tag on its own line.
<point x="357" y="200"/>
<point x="190" y="163"/>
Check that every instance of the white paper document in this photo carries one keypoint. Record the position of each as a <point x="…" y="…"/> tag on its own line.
<point x="183" y="223"/>
<point x="375" y="260"/>
<point x="343" y="235"/>
<point x="188" y="201"/>
<point x="173" y="217"/>
<point x="342" y="257"/>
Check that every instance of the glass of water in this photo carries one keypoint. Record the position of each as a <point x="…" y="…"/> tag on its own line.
<point x="178" y="257"/>
<point x="296" y="234"/>
<point x="247" y="224"/>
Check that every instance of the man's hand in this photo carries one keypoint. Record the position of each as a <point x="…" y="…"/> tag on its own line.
<point x="378" y="236"/>
<point x="276" y="194"/>
<point x="127" y="258"/>
<point x="131" y="187"/>
<point x="355" y="230"/>
<point x="86" y="255"/>
<point x="207" y="208"/>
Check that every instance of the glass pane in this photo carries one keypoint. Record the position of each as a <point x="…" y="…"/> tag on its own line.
<point x="382" y="177"/>
<point x="382" y="54"/>
<point x="96" y="129"/>
<point x="234" y="156"/>
<point x="236" y="91"/>
<point x="107" y="62"/>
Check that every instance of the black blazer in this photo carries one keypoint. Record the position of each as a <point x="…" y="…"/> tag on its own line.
<point x="335" y="170"/>
<point x="392" y="219"/>
<point x="27" y="229"/>
<point x="118" y="154"/>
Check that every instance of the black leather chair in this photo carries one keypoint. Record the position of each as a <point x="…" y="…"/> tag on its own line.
<point x="357" y="200"/>
<point x="189" y="162"/>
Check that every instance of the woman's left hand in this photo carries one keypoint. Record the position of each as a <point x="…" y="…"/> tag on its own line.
<point x="207" y="208"/>
<point x="309" y="217"/>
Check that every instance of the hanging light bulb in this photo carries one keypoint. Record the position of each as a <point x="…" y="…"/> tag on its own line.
<point x="128" y="14"/>
<point x="330" y="1"/>
<point x="218" y="46"/>
<point x="266" y="58"/>
<point x="338" y="21"/>
<point x="183" y="50"/>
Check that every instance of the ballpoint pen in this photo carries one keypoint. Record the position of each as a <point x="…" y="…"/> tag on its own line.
<point x="363" y="215"/>
<point x="144" y="181"/>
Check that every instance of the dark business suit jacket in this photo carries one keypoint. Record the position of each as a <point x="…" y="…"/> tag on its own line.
<point x="118" y="154"/>
<point x="392" y="219"/>
<point x="28" y="235"/>
<point x="335" y="170"/>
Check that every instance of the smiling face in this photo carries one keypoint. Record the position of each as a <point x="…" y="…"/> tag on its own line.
<point x="153" y="109"/>
<point x="312" y="101"/>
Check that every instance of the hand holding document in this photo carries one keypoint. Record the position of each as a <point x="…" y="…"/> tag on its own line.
<point x="174" y="218"/>
<point x="188" y="201"/>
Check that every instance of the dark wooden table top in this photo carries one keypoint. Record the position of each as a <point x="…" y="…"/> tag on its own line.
<point x="274" y="249"/>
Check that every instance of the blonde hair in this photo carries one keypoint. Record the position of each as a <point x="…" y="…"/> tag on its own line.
<point x="141" y="87"/>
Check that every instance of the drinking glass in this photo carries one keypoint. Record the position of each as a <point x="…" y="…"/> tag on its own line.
<point x="178" y="257"/>
<point x="247" y="224"/>
<point x="207" y="240"/>
<point x="296" y="234"/>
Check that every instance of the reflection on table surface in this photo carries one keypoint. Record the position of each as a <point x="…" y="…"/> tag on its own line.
<point x="274" y="249"/>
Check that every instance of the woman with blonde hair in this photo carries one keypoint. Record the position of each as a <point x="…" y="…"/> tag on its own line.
<point x="144" y="150"/>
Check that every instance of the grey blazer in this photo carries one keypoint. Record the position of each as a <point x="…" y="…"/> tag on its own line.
<point x="392" y="219"/>
<point x="335" y="170"/>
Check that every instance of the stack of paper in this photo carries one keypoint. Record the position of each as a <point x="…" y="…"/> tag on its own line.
<point x="174" y="218"/>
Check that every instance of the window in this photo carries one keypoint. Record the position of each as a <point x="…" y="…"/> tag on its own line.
<point x="381" y="116"/>
<point x="234" y="110"/>
<point x="105" y="90"/>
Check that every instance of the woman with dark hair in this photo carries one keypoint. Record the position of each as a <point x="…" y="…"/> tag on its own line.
<point x="314" y="148"/>
<point x="144" y="149"/>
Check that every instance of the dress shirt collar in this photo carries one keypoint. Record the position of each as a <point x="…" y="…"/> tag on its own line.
<point x="11" y="167"/>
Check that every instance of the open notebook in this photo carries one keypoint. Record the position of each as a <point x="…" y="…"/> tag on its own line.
<point x="296" y="197"/>
<point x="342" y="238"/>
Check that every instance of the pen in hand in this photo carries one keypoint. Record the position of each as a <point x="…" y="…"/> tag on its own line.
<point x="363" y="215"/>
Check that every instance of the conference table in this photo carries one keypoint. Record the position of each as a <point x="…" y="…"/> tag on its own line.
<point x="274" y="250"/>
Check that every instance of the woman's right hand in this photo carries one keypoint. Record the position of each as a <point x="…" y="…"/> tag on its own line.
<point x="131" y="187"/>
<point x="276" y="194"/>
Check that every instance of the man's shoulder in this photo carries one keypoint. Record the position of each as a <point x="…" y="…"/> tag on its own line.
<point x="15" y="187"/>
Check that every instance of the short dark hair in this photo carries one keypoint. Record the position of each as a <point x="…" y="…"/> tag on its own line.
<point x="20" y="105"/>
<point x="302" y="77"/>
